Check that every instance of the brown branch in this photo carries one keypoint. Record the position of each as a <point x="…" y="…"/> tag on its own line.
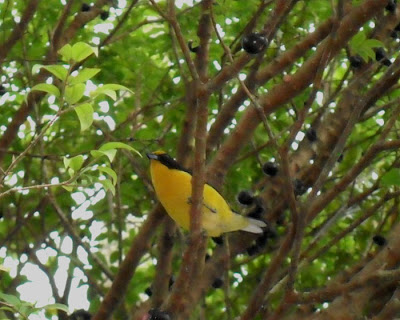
<point x="127" y="269"/>
<point x="281" y="93"/>
<point x="19" y="29"/>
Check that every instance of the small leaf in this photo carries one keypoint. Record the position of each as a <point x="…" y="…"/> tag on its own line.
<point x="118" y="145"/>
<point x="66" y="162"/>
<point x="59" y="71"/>
<point x="114" y="86"/>
<point x="66" y="52"/>
<point x="108" y="186"/>
<point x="75" y="163"/>
<point x="110" y="172"/>
<point x="10" y="299"/>
<point x="36" y="68"/>
<point x="68" y="188"/>
<point x="109" y="90"/>
<point x="84" y="75"/>
<point x="2" y="268"/>
<point x="391" y="178"/>
<point x="56" y="306"/>
<point x="85" y="115"/>
<point x="74" y="93"/>
<point x="110" y="154"/>
<point x="81" y="51"/>
<point x="49" y="88"/>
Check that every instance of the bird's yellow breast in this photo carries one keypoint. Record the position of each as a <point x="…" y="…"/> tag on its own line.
<point x="174" y="189"/>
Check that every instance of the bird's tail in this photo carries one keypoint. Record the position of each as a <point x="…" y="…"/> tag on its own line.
<point x="254" y="226"/>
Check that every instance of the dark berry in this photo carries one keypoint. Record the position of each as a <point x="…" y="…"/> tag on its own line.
<point x="217" y="283"/>
<point x="245" y="198"/>
<point x="270" y="169"/>
<point x="299" y="187"/>
<point x="379" y="240"/>
<point x="397" y="28"/>
<point x="391" y="6"/>
<point x="148" y="291"/>
<point x="2" y="90"/>
<point x="261" y="241"/>
<point x="85" y="7"/>
<point x="256" y="212"/>
<point x="80" y="315"/>
<point x="171" y="282"/>
<point x="271" y="233"/>
<point x="156" y="314"/>
<point x="207" y="257"/>
<point x="104" y="15"/>
<point x="380" y="54"/>
<point x="254" y="43"/>
<point x="218" y="240"/>
<point x="356" y="62"/>
<point x="311" y="135"/>
<point x="191" y="48"/>
<point x="253" y="250"/>
<point x="386" y="62"/>
<point x="280" y="221"/>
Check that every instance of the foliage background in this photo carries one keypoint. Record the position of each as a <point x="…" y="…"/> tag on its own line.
<point x="331" y="248"/>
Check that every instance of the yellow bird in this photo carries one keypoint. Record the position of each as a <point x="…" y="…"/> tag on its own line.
<point x="173" y="186"/>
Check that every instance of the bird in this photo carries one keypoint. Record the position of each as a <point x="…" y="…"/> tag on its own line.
<point x="173" y="186"/>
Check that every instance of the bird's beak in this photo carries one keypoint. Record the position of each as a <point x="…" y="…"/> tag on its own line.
<point x="152" y="156"/>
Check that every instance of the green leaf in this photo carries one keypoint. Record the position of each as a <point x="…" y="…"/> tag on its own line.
<point x="109" y="90"/>
<point x="2" y="268"/>
<point x="49" y="88"/>
<point x="59" y="71"/>
<point x="391" y="178"/>
<point x="74" y="93"/>
<point x="362" y="46"/>
<point x="56" y="306"/>
<point x="75" y="163"/>
<point x="81" y="51"/>
<point x="108" y="186"/>
<point x="110" y="154"/>
<point x="118" y="145"/>
<point x="84" y="75"/>
<point x="36" y="68"/>
<point x="110" y="172"/>
<point x="66" y="52"/>
<point x="85" y="115"/>
<point x="68" y="188"/>
<point x="10" y="299"/>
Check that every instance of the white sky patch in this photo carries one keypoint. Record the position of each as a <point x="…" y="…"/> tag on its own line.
<point x="110" y="122"/>
<point x="242" y="76"/>
<point x="300" y="136"/>
<point x="180" y="3"/>
<point x="79" y="197"/>
<point x="319" y="97"/>
<point x="82" y="212"/>
<point x="217" y="65"/>
<point x="176" y="80"/>
<point x="104" y="106"/>
<point x="38" y="289"/>
<point x="220" y="30"/>
<point x="90" y="86"/>
<point x="380" y="122"/>
<point x="228" y="21"/>
<point x="96" y="41"/>
<point x="103" y="28"/>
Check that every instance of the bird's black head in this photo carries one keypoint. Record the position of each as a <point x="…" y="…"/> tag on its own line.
<point x="165" y="159"/>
